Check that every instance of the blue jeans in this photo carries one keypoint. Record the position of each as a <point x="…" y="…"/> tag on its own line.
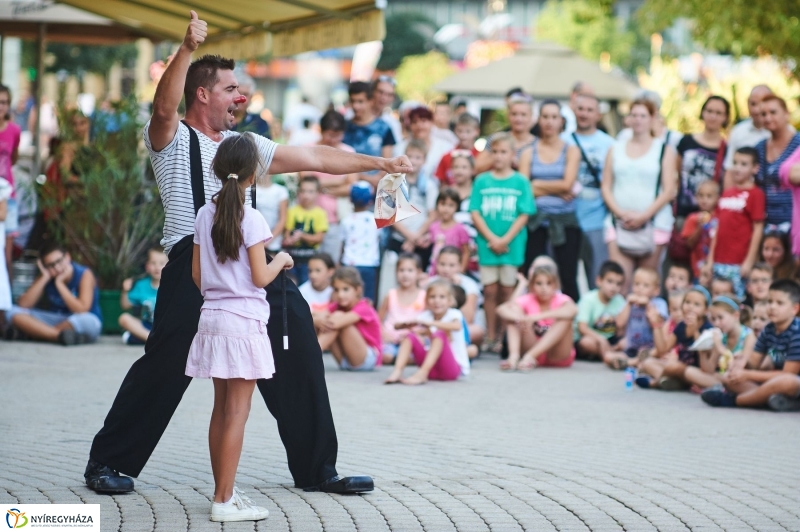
<point x="369" y="274"/>
<point x="300" y="272"/>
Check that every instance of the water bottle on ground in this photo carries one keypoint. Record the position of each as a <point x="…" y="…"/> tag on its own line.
<point x="630" y="376"/>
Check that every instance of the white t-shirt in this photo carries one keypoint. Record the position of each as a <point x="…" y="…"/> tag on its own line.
<point x="467" y="283"/>
<point x="174" y="177"/>
<point x="268" y="201"/>
<point x="318" y="301"/>
<point x="361" y="240"/>
<point x="458" y="340"/>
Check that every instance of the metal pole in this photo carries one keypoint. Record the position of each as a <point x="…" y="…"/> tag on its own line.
<point x="37" y="132"/>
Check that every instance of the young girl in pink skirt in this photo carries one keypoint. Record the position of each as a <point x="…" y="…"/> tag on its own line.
<point x="231" y="347"/>
<point x="436" y="342"/>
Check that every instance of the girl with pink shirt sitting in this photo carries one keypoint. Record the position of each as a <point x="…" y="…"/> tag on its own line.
<point x="436" y="342"/>
<point x="352" y="330"/>
<point x="539" y="324"/>
<point x="446" y="231"/>
<point x="401" y="304"/>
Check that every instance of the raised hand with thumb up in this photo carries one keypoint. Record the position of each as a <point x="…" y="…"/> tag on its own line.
<point x="195" y="33"/>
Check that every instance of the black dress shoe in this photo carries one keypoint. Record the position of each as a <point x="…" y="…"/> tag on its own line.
<point x="103" y="479"/>
<point x="339" y="484"/>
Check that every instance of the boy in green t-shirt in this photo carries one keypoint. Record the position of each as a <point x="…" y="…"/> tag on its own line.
<point x="500" y="204"/>
<point x="596" y="322"/>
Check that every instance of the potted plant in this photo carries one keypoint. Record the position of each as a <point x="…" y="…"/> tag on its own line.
<point x="103" y="207"/>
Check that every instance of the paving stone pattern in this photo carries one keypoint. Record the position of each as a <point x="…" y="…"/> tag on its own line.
<point x="564" y="450"/>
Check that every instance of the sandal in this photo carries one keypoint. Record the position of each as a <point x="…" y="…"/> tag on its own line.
<point x="526" y="365"/>
<point x="619" y="363"/>
<point x="509" y="364"/>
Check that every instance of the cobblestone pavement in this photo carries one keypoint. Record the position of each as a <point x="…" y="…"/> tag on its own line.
<point x="551" y="450"/>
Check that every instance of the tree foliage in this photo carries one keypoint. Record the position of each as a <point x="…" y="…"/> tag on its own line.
<point x="406" y="34"/>
<point x="740" y="27"/>
<point x="417" y="75"/>
<point x="76" y="59"/>
<point x="590" y="28"/>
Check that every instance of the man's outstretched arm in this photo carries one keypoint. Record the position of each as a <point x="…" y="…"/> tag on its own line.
<point x="169" y="92"/>
<point x="332" y="161"/>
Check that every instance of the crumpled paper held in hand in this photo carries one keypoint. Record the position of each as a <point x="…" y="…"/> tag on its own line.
<point x="392" y="202"/>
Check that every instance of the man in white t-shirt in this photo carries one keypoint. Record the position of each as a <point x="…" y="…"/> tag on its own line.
<point x="152" y="389"/>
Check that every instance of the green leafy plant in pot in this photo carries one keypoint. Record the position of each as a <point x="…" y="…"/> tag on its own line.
<point x="104" y="208"/>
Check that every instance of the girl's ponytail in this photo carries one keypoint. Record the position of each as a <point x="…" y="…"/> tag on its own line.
<point x="237" y="159"/>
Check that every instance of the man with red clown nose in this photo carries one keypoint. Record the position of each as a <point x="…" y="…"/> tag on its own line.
<point x="181" y="153"/>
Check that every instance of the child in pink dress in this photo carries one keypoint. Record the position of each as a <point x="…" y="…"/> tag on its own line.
<point x="401" y="304"/>
<point x="446" y="231"/>
<point x="352" y="330"/>
<point x="231" y="346"/>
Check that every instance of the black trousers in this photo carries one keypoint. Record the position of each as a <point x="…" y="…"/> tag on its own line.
<point x="565" y="255"/>
<point x="296" y="395"/>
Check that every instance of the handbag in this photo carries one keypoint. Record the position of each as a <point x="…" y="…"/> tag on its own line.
<point x="640" y="242"/>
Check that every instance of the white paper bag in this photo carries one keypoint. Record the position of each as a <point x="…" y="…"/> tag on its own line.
<point x="392" y="202"/>
<point x="704" y="342"/>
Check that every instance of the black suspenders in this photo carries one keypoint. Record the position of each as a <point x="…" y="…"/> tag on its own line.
<point x="199" y="199"/>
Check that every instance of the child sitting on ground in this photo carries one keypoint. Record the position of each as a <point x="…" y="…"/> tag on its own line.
<point x="699" y="225"/>
<point x="74" y="300"/>
<point x="760" y="317"/>
<point x="360" y="239"/>
<point x="352" y="329"/>
<point x="679" y="278"/>
<point x="721" y="286"/>
<point x="449" y="267"/>
<point x="446" y="231"/>
<point x="317" y="290"/>
<point x="740" y="223"/>
<point x="436" y="341"/>
<point x="539" y="324"/>
<point x="758" y="283"/>
<point x="731" y="338"/>
<point x="776" y="356"/>
<point x="500" y="205"/>
<point x="401" y="305"/>
<point x="669" y="374"/>
<point x="635" y="318"/>
<point x="596" y="324"/>
<point x="142" y="294"/>
<point x="306" y="225"/>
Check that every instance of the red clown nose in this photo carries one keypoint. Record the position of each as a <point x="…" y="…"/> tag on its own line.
<point x="239" y="99"/>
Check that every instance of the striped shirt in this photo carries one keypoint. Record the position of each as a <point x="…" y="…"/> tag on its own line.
<point x="779" y="198"/>
<point x="173" y="176"/>
<point x="780" y="347"/>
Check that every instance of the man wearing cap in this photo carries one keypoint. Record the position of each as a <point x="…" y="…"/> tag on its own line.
<point x="181" y="153"/>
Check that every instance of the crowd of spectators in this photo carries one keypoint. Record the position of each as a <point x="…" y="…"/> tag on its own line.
<point x="688" y="243"/>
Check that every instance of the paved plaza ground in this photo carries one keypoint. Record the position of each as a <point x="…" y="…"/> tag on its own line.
<point x="551" y="450"/>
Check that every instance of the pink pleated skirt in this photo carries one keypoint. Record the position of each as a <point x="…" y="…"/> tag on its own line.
<point x="229" y="346"/>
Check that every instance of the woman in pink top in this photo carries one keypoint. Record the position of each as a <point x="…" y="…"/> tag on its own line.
<point x="9" y="151"/>
<point x="231" y="346"/>
<point x="352" y="331"/>
<point x="540" y="324"/>
<point x="402" y="304"/>
<point x="789" y="174"/>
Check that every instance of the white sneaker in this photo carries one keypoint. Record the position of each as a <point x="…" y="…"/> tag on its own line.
<point x="239" y="508"/>
<point x="125" y="337"/>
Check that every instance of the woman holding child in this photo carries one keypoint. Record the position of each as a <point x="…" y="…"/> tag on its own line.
<point x="639" y="172"/>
